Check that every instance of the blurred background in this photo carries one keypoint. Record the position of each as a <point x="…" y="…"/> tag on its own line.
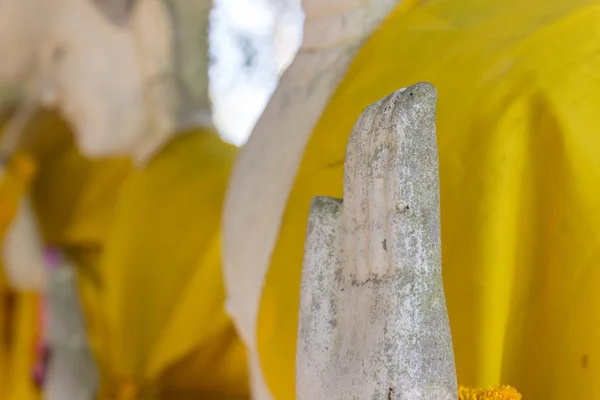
<point x="252" y="43"/>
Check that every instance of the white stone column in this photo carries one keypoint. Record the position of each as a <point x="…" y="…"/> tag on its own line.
<point x="373" y="320"/>
<point x="71" y="371"/>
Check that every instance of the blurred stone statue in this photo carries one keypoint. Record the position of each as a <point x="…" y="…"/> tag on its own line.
<point x="133" y="204"/>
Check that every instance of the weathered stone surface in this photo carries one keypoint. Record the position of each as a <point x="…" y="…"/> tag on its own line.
<point x="373" y="321"/>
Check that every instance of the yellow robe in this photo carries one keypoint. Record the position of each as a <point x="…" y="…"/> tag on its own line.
<point x="166" y="328"/>
<point x="519" y="146"/>
<point x="146" y="244"/>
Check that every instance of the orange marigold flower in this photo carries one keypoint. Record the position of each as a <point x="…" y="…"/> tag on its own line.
<point x="494" y="393"/>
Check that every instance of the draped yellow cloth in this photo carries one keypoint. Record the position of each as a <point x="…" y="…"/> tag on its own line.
<point x="146" y="244"/>
<point x="519" y="147"/>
